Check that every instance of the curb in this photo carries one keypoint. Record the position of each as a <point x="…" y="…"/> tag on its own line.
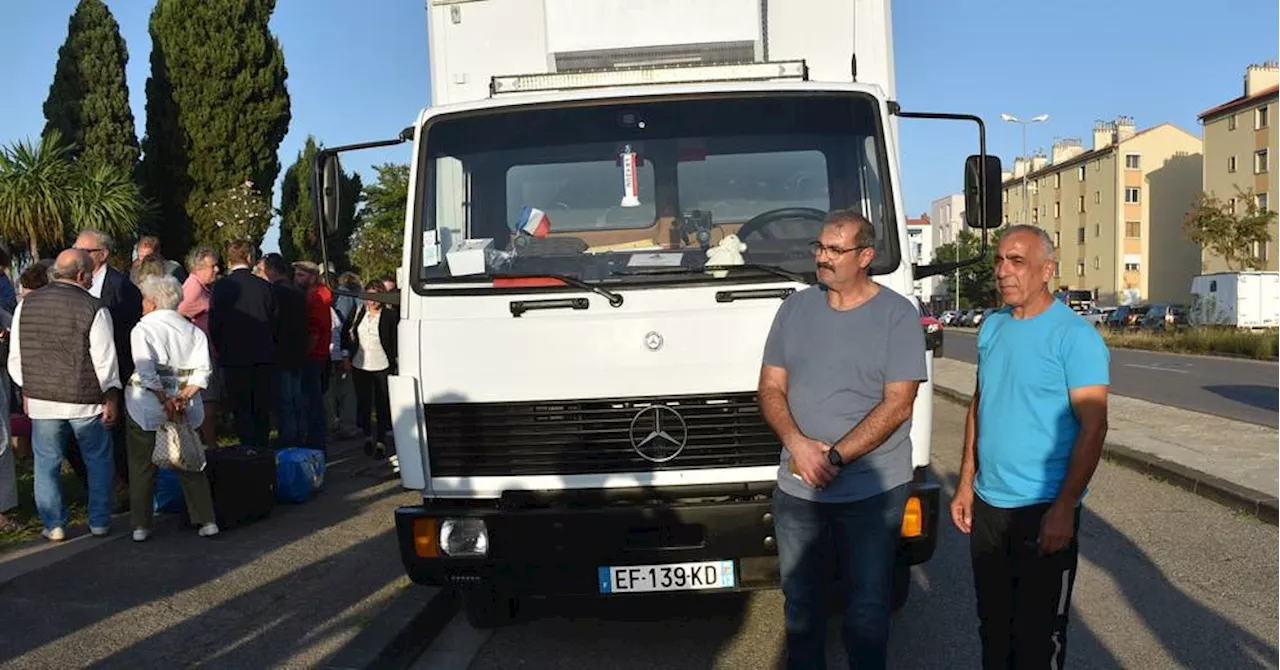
<point x="1236" y="497"/>
<point x="401" y="632"/>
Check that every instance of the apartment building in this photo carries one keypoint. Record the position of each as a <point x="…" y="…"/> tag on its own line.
<point x="920" y="245"/>
<point x="1240" y="144"/>
<point x="1115" y="209"/>
<point x="947" y="215"/>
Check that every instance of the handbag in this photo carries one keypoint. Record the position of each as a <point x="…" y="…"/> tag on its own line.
<point x="178" y="447"/>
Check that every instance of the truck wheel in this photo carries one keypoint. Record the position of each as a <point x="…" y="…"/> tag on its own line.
<point x="901" y="586"/>
<point x="489" y="608"/>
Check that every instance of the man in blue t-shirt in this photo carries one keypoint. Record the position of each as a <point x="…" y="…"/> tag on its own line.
<point x="1032" y="441"/>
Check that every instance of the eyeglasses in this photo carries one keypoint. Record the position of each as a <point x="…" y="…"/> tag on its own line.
<point x="819" y="248"/>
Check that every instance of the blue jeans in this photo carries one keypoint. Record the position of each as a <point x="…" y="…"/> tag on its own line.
<point x="291" y="411"/>
<point x="49" y="440"/>
<point x="864" y="538"/>
<point x="315" y="421"/>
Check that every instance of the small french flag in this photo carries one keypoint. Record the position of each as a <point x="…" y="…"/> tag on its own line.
<point x="533" y="221"/>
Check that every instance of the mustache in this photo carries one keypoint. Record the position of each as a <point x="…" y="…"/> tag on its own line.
<point x="826" y="266"/>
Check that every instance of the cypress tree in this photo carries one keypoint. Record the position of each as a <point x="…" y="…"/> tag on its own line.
<point x="89" y="99"/>
<point x="298" y="239"/>
<point x="217" y="110"/>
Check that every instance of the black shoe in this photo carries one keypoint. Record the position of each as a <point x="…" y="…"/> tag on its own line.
<point x="380" y="452"/>
<point x="368" y="447"/>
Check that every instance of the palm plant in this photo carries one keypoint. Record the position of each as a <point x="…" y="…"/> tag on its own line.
<point x="106" y="199"/>
<point x="37" y="186"/>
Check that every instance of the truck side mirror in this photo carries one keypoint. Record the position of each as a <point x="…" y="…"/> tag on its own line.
<point x="330" y="186"/>
<point x="982" y="192"/>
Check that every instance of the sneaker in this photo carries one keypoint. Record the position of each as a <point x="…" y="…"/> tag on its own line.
<point x="99" y="531"/>
<point x="54" y="534"/>
<point x="208" y="530"/>
<point x="141" y="534"/>
<point x="395" y="464"/>
<point x="380" y="451"/>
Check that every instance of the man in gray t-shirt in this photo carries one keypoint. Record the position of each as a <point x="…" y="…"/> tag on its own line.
<point x="841" y="368"/>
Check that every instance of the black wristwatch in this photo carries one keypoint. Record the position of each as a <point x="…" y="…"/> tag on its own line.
<point x="834" y="458"/>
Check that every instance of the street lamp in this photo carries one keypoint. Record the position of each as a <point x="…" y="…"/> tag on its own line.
<point x="1026" y="197"/>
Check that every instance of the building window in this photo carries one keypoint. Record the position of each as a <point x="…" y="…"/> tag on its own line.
<point x="1133" y="229"/>
<point x="1262" y="202"/>
<point x="1057" y="240"/>
<point x="1080" y="174"/>
<point x="1080" y="269"/>
<point x="1057" y="210"/>
<point x="1057" y="180"/>
<point x="1006" y="219"/>
<point x="1097" y="264"/>
<point x="1080" y="204"/>
<point x="1097" y="230"/>
<point x="1131" y="267"/>
<point x="1057" y="269"/>
<point x="1231" y="163"/>
<point x="1132" y="162"/>
<point x="1035" y="215"/>
<point x="1231" y="122"/>
<point x="1080" y="235"/>
<point x="1260" y="251"/>
<point x="1132" y="195"/>
<point x="1261" y="118"/>
<point x="1231" y="205"/>
<point x="1097" y="197"/>
<point x="1006" y="197"/>
<point x="1261" y="162"/>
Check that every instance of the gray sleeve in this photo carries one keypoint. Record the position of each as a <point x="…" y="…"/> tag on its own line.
<point x="775" y="348"/>
<point x="906" y="347"/>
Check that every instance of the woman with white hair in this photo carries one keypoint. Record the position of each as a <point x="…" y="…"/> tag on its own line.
<point x="171" y="359"/>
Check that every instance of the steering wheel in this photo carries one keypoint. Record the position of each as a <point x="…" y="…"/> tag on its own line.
<point x="758" y="223"/>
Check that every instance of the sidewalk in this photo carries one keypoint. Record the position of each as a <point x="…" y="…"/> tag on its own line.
<point x="1232" y="462"/>
<point x="288" y="591"/>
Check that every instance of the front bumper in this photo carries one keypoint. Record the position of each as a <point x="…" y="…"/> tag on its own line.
<point x="555" y="546"/>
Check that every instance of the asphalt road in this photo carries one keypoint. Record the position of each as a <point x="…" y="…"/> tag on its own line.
<point x="1236" y="389"/>
<point x="1167" y="579"/>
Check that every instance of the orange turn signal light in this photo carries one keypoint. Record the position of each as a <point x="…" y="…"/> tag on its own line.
<point x="426" y="538"/>
<point x="913" y="518"/>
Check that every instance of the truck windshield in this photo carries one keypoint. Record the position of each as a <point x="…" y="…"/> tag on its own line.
<point x="625" y="191"/>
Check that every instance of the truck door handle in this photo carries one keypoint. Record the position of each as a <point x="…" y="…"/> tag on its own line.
<point x="519" y="307"/>
<point x="755" y="294"/>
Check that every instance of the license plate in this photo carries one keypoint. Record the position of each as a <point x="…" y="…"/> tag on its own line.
<point x="667" y="577"/>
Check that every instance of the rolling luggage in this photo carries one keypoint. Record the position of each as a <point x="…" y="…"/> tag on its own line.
<point x="243" y="482"/>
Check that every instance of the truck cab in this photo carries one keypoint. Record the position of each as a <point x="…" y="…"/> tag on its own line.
<point x="609" y="201"/>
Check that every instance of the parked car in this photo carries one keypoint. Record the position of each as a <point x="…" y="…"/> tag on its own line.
<point x="1165" y="318"/>
<point x="982" y="315"/>
<point x="948" y="317"/>
<point x="1098" y="316"/>
<point x="966" y="318"/>
<point x="1127" y="317"/>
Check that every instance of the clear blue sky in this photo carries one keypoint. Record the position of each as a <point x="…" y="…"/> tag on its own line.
<point x="358" y="71"/>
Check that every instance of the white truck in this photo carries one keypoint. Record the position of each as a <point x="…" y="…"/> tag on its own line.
<point x="575" y="398"/>
<point x="1237" y="299"/>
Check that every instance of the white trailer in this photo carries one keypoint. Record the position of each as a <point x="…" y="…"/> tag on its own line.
<point x="575" y="398"/>
<point x="1239" y="299"/>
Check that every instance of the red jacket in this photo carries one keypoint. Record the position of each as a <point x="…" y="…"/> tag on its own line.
<point x="319" y="325"/>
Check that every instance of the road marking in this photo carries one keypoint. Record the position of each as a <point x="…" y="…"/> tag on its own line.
<point x="1155" y="367"/>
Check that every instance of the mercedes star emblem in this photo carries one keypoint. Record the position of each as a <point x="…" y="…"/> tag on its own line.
<point x="658" y="433"/>
<point x="653" y="340"/>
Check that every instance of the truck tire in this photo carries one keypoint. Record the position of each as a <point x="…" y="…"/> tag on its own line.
<point x="901" y="587"/>
<point x="489" y="608"/>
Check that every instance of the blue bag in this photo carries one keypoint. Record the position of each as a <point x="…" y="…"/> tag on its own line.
<point x="299" y="474"/>
<point x="168" y="498"/>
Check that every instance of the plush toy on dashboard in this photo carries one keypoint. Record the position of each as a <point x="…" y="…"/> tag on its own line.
<point x="727" y="252"/>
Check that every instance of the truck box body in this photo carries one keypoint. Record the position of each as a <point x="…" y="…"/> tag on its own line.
<point x="1239" y="299"/>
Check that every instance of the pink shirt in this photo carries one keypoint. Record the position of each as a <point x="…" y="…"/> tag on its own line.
<point x="195" y="303"/>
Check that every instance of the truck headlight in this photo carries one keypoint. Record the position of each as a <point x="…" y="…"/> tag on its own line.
<point x="464" y="537"/>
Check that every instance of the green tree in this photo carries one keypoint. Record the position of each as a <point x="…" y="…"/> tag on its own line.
<point x="217" y="110"/>
<point x="45" y="197"/>
<point x="375" y="247"/>
<point x="298" y="240"/>
<point x="89" y="99"/>
<point x="1225" y="231"/>
<point x="238" y="213"/>
<point x="977" y="281"/>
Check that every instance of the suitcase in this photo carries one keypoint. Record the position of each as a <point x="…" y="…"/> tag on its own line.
<point x="243" y="482"/>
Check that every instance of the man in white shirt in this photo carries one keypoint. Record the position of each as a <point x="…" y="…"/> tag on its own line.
<point x="63" y="355"/>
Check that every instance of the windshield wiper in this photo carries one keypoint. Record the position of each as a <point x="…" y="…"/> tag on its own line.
<point x="615" y="299"/>
<point x="771" y="269"/>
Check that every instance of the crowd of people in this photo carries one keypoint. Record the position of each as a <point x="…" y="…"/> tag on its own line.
<point x="98" y="360"/>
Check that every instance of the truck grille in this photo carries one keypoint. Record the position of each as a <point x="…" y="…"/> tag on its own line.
<point x="595" y="436"/>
